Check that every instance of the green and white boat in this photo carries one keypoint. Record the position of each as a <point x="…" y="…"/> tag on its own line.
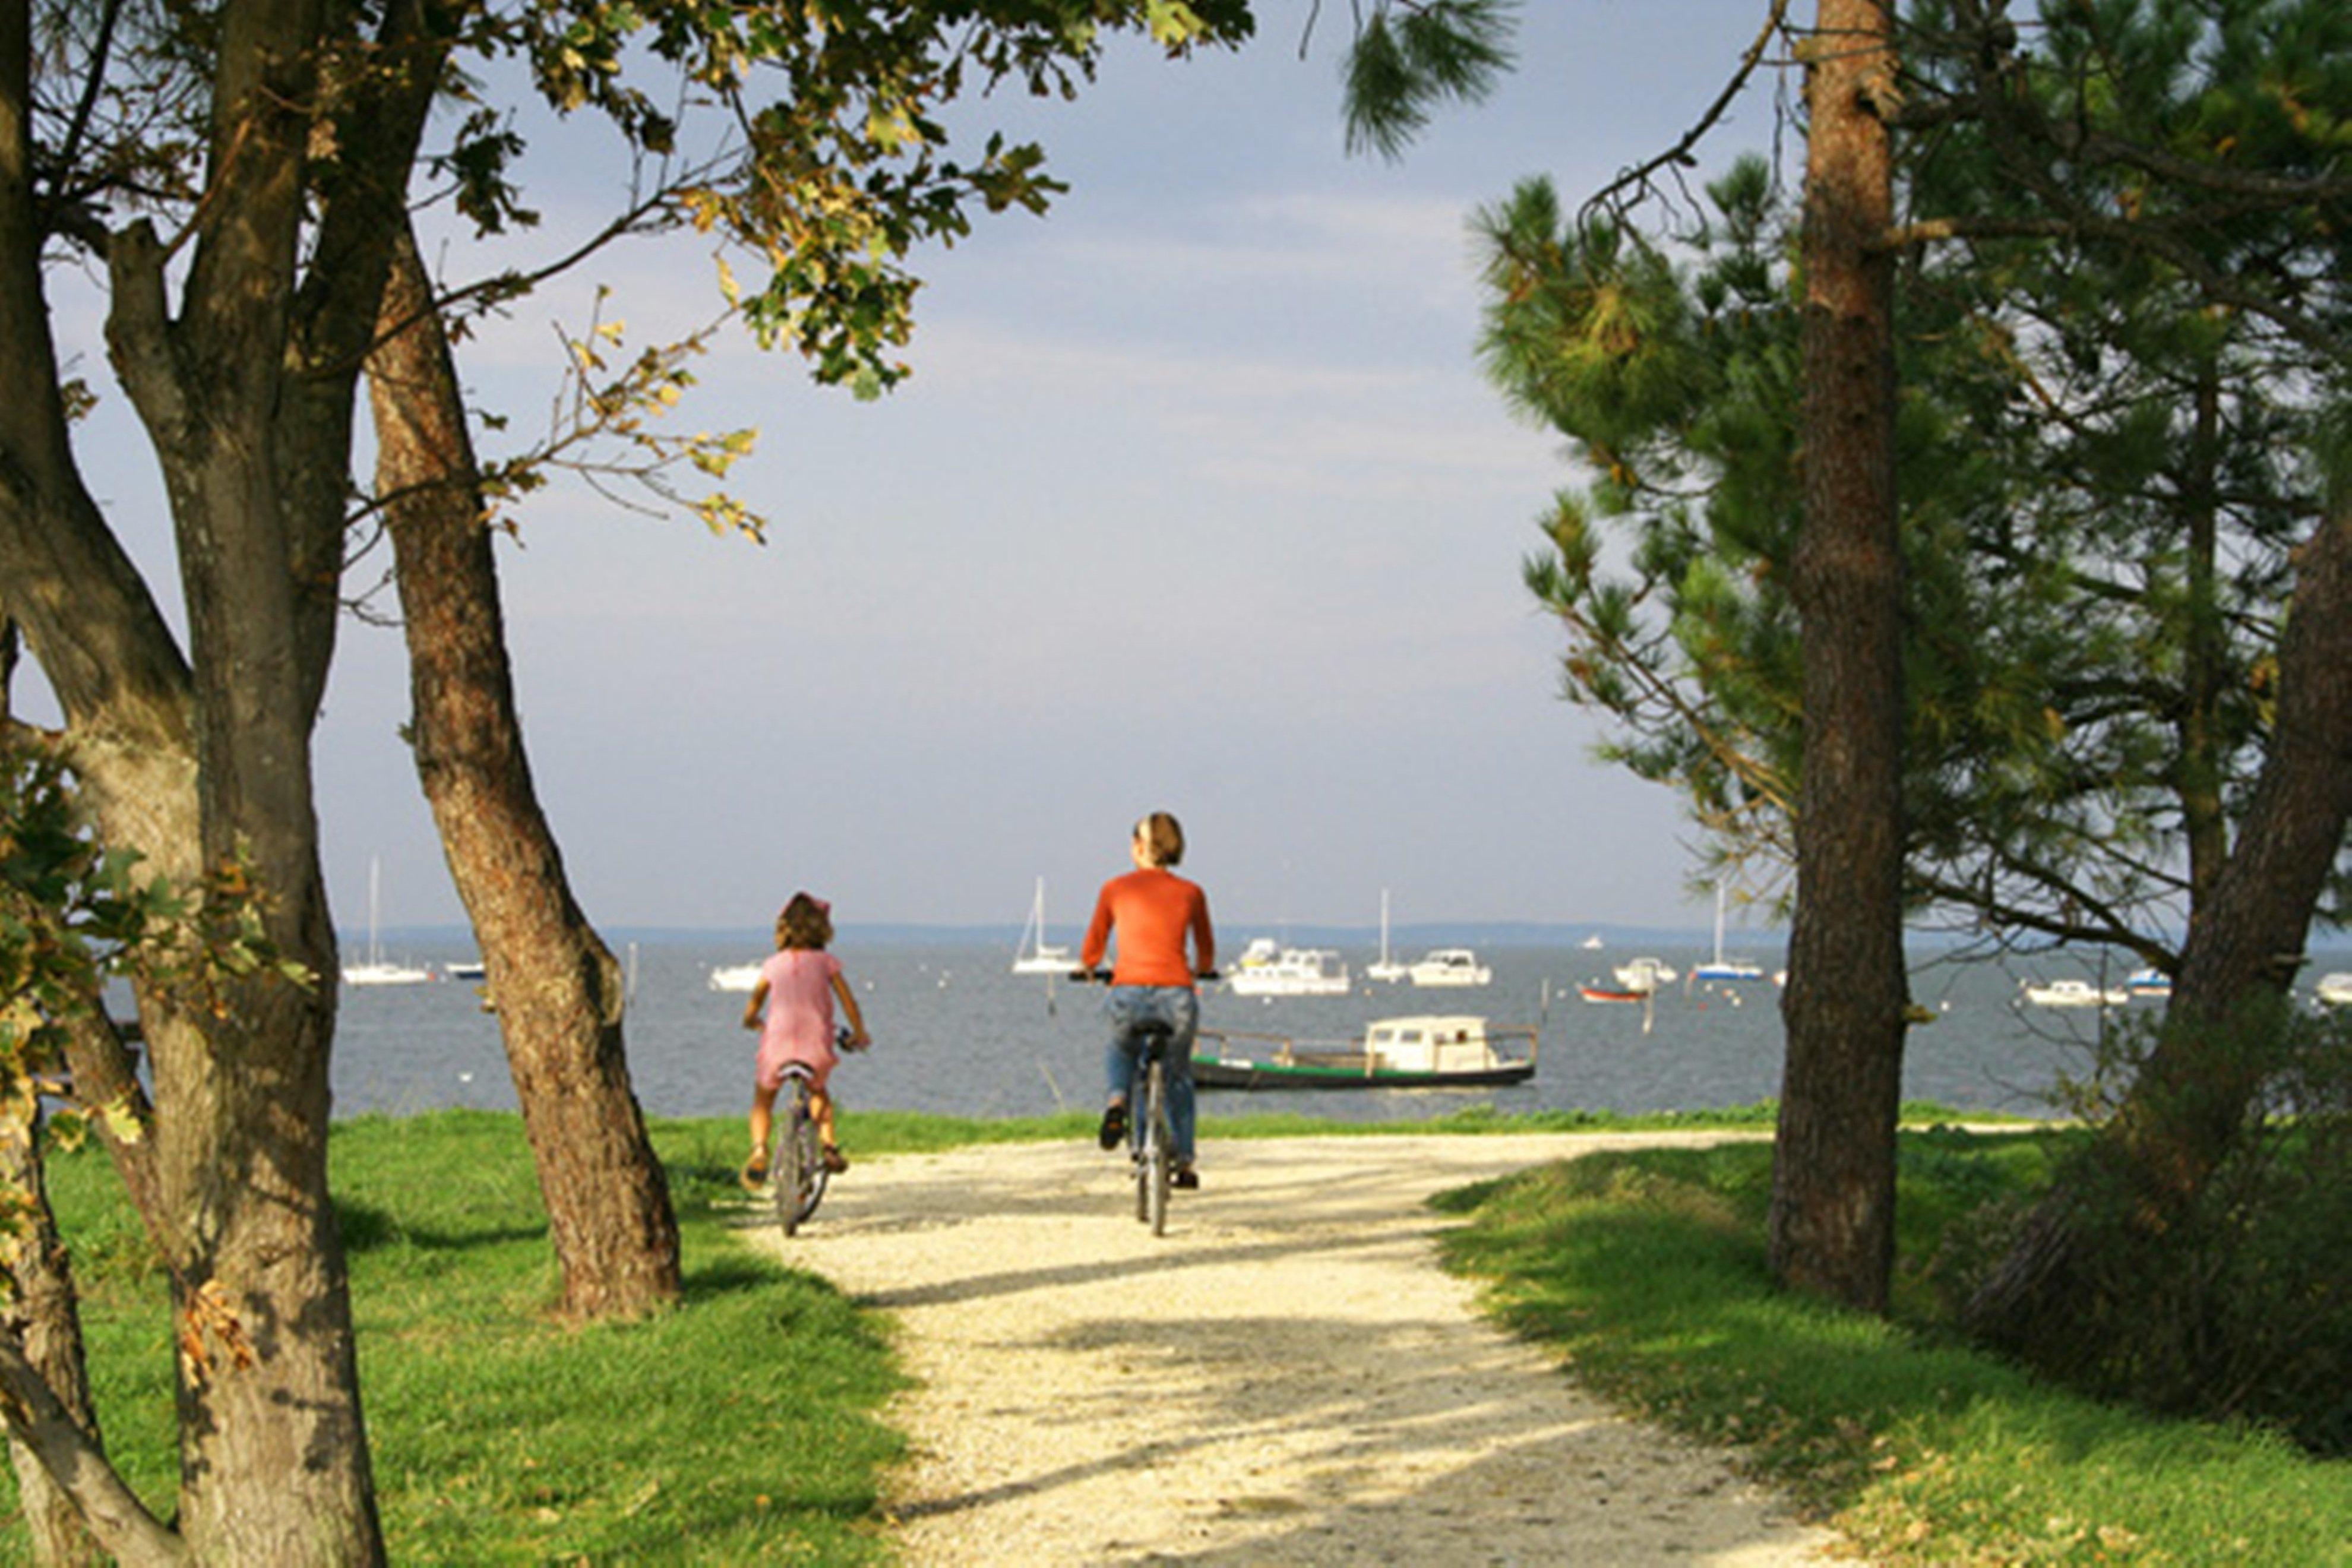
<point x="1424" y="1051"/>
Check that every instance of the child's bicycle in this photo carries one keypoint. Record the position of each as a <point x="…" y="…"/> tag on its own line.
<point x="1150" y="1136"/>
<point x="799" y="1170"/>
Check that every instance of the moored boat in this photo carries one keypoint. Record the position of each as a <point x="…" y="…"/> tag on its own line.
<point x="735" y="977"/>
<point x="1430" y="1051"/>
<point x="1645" y="974"/>
<point x="382" y="973"/>
<point x="2336" y="990"/>
<point x="1388" y="968"/>
<point x="1036" y="955"/>
<point x="378" y="970"/>
<point x="1450" y="966"/>
<point x="1593" y="991"/>
<point x="2072" y="993"/>
<point x="1719" y="967"/>
<point x="1265" y="969"/>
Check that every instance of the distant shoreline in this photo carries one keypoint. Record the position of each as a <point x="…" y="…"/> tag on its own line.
<point x="1409" y="937"/>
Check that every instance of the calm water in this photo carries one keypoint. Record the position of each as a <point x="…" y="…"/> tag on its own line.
<point x="956" y="1032"/>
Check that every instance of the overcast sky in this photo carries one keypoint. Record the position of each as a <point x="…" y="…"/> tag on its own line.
<point x="1197" y="501"/>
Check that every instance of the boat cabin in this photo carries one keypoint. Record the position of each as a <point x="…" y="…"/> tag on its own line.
<point x="1432" y="1043"/>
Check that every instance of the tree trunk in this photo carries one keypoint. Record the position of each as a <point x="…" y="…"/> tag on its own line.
<point x="557" y="990"/>
<point x="245" y="392"/>
<point x="2190" y="1105"/>
<point x="42" y="1316"/>
<point x="1833" y="1212"/>
<point x="274" y="1457"/>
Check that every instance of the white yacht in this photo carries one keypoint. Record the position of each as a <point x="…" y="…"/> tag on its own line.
<point x="376" y="971"/>
<point x="1265" y="969"/>
<point x="1719" y="967"/>
<point x="1451" y="966"/>
<point x="1035" y="956"/>
<point x="1388" y="968"/>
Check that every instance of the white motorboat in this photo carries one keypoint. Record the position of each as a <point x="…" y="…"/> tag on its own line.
<point x="735" y="977"/>
<point x="1593" y="944"/>
<point x="1645" y="974"/>
<point x="1451" y="966"/>
<point x="1265" y="969"/>
<point x="376" y="971"/>
<point x="1036" y="955"/>
<point x="2336" y="990"/>
<point x="2149" y="983"/>
<point x="2074" y="993"/>
<point x="1388" y="968"/>
<point x="1719" y="967"/>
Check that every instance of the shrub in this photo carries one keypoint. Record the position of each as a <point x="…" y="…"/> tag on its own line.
<point x="2235" y="1303"/>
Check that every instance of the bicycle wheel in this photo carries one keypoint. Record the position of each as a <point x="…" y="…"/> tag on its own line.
<point x="788" y="1157"/>
<point x="800" y="1161"/>
<point x="1158" y="1154"/>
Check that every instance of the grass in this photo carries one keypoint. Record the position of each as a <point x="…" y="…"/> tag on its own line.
<point x="1647" y="1271"/>
<point x="747" y="1425"/>
<point x="743" y="1428"/>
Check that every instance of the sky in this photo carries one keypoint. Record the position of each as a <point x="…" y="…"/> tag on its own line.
<point x="1196" y="500"/>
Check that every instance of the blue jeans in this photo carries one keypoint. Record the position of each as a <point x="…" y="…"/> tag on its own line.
<point x="1179" y="1008"/>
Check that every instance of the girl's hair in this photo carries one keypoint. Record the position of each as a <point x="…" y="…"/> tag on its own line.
<point x="806" y="921"/>
<point x="1161" y="834"/>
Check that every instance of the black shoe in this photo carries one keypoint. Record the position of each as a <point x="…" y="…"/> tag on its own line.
<point x="1188" y="1178"/>
<point x="1114" y="1127"/>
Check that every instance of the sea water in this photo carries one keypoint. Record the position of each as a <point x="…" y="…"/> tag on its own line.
<point x="956" y="1032"/>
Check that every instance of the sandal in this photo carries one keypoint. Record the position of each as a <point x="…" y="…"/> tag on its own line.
<point x="754" y="1175"/>
<point x="835" y="1162"/>
<point x="1114" y="1126"/>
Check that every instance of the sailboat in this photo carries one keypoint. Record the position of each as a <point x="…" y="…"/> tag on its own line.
<point x="1387" y="968"/>
<point x="1720" y="967"/>
<point x="1036" y="955"/>
<point x="375" y="970"/>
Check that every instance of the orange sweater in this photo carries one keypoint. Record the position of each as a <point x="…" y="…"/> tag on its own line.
<point x="1153" y="911"/>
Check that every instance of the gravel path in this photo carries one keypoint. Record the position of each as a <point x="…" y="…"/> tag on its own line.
<point x="1286" y="1377"/>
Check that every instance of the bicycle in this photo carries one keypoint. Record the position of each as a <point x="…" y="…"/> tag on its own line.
<point x="1150" y="1134"/>
<point x="799" y="1171"/>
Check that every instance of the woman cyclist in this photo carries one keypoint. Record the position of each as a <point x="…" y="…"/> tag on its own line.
<point x="1153" y="912"/>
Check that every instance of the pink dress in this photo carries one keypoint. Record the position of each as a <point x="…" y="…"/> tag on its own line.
<point x="799" y="1023"/>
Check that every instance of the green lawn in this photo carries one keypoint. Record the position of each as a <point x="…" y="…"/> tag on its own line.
<point x="743" y="1428"/>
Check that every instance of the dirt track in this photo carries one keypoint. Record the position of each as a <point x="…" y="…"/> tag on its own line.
<point x="1286" y="1377"/>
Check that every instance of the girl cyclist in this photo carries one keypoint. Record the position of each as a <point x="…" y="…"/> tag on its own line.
<point x="798" y="987"/>
<point x="1153" y="911"/>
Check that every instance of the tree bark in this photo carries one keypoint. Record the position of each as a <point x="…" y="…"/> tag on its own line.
<point x="1832" y="1225"/>
<point x="41" y="1315"/>
<point x="245" y="394"/>
<point x="558" y="991"/>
